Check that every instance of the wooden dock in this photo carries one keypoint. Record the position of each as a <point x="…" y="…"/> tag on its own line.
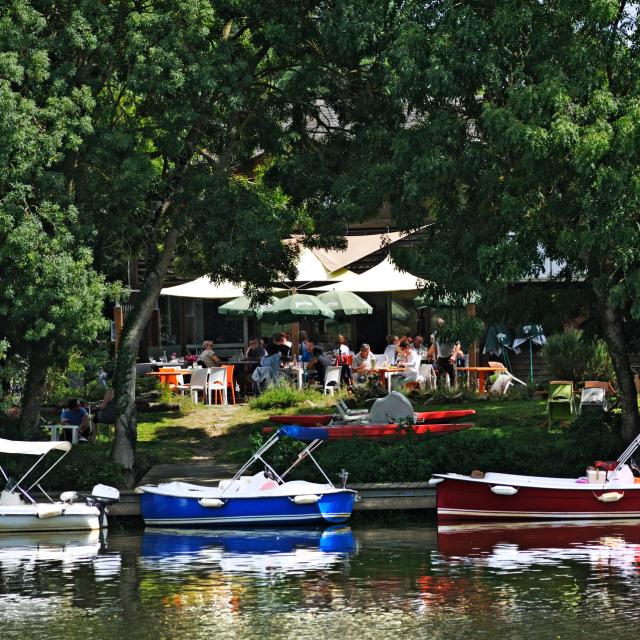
<point x="387" y="496"/>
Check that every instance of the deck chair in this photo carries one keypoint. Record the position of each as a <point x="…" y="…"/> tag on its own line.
<point x="502" y="384"/>
<point x="341" y="404"/>
<point x="593" y="399"/>
<point x="561" y="403"/>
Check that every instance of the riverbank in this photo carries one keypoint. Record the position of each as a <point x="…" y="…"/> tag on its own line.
<point x="510" y="436"/>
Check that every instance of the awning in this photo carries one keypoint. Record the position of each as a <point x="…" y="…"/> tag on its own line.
<point x="383" y="277"/>
<point x="32" y="448"/>
<point x="203" y="288"/>
<point x="357" y="247"/>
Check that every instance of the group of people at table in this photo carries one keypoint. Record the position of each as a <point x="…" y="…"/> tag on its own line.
<point x="403" y="355"/>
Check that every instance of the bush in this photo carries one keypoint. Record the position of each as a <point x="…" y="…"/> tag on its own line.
<point x="571" y="356"/>
<point x="283" y="395"/>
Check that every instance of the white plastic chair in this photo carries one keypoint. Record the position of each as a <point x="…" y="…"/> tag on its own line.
<point x="428" y="376"/>
<point x="217" y="383"/>
<point x="198" y="384"/>
<point x="502" y="384"/>
<point x="331" y="379"/>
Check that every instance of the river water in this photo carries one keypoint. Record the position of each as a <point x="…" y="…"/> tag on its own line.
<point x="471" y="581"/>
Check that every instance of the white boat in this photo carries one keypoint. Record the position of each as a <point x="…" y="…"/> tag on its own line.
<point x="20" y="511"/>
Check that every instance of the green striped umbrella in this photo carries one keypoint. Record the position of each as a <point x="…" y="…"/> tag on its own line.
<point x="240" y="307"/>
<point x="295" y="307"/>
<point x="346" y="303"/>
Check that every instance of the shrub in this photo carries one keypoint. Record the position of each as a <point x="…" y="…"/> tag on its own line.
<point x="283" y="394"/>
<point x="571" y="356"/>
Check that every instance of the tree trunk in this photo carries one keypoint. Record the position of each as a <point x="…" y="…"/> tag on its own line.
<point x="34" y="391"/>
<point x="124" y="381"/>
<point x="614" y="332"/>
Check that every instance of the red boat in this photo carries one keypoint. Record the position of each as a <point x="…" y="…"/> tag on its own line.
<point x="339" y="431"/>
<point x="501" y="496"/>
<point x="325" y="419"/>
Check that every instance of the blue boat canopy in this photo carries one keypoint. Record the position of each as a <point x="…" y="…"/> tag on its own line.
<point x="306" y="434"/>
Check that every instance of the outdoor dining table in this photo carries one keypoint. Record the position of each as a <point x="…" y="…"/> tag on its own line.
<point x="482" y="372"/>
<point x="168" y="378"/>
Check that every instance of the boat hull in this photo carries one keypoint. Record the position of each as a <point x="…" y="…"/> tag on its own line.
<point x="167" y="510"/>
<point x="325" y="419"/>
<point x="340" y="431"/>
<point x="25" y="518"/>
<point x="460" y="500"/>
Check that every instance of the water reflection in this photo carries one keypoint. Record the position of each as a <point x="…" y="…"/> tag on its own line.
<point x="526" y="581"/>
<point x="261" y="551"/>
<point x="613" y="545"/>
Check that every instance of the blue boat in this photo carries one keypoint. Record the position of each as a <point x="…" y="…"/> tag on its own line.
<point x="264" y="498"/>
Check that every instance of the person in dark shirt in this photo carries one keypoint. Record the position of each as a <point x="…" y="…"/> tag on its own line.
<point x="278" y="346"/>
<point x="318" y="364"/>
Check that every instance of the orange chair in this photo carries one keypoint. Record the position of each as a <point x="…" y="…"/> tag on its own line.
<point x="230" y="382"/>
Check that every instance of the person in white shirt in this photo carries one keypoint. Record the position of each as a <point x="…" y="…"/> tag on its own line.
<point x="410" y="364"/>
<point x="391" y="350"/>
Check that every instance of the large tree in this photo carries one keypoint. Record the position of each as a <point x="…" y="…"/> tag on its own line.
<point x="51" y="298"/>
<point x="194" y="100"/>
<point x="524" y="143"/>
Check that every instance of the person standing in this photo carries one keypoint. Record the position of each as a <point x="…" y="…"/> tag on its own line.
<point x="446" y="354"/>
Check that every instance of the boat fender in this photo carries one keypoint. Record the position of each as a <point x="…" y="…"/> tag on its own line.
<point x="434" y="481"/>
<point x="69" y="496"/>
<point x="611" y="496"/>
<point x="502" y="490"/>
<point x="49" y="510"/>
<point x="211" y="502"/>
<point x="306" y="499"/>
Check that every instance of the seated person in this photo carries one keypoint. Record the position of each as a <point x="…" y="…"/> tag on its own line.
<point x="391" y="350"/>
<point x="318" y="364"/>
<point x="106" y="410"/>
<point x="363" y="362"/>
<point x="410" y="363"/>
<point x="278" y="345"/>
<point x="208" y="356"/>
<point x="77" y="415"/>
<point x="255" y="350"/>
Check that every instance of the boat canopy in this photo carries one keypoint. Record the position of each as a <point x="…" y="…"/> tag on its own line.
<point x="307" y="434"/>
<point x="32" y="448"/>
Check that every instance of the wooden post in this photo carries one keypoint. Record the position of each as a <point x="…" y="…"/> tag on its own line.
<point x="295" y="335"/>
<point x="118" y="320"/>
<point x="474" y="356"/>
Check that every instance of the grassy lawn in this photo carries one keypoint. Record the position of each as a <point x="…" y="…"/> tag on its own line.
<point x="224" y="433"/>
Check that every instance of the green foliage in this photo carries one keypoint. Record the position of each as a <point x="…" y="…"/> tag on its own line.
<point x="509" y="450"/>
<point x="370" y="390"/>
<point x="466" y="330"/>
<point x="571" y="356"/>
<point x="282" y="395"/>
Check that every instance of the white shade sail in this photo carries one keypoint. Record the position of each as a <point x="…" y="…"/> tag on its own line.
<point x="383" y="277"/>
<point x="203" y="288"/>
<point x="32" y="448"/>
<point x="310" y="269"/>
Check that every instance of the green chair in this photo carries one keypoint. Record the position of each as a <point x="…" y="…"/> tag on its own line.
<point x="561" y="405"/>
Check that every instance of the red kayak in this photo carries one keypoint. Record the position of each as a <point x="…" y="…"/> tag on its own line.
<point x="338" y="431"/>
<point x="325" y="419"/>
